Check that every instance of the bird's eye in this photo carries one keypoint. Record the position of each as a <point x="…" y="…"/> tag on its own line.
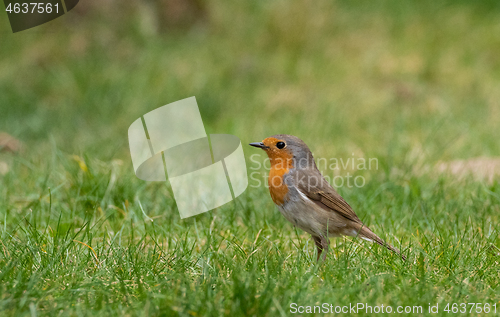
<point x="280" y="145"/>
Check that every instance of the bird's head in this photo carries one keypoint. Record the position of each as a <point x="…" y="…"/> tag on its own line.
<point x="287" y="150"/>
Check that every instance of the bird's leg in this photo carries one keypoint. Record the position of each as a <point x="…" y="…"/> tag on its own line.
<point x="325" y="242"/>
<point x="322" y="244"/>
<point x="317" y="241"/>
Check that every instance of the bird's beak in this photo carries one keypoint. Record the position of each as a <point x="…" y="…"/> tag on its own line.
<point x="258" y="144"/>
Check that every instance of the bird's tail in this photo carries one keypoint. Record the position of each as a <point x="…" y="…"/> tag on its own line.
<point x="367" y="234"/>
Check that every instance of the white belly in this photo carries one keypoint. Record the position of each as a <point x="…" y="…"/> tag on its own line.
<point x="306" y="215"/>
<point x="302" y="215"/>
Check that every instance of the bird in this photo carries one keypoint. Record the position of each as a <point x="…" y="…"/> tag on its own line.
<point x="306" y="199"/>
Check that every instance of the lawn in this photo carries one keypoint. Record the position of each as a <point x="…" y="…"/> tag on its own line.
<point x="410" y="85"/>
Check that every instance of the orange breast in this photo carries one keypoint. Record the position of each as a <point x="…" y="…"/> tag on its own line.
<point x="277" y="186"/>
<point x="281" y="162"/>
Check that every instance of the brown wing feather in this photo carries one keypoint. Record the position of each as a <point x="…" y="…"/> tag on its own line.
<point x="327" y="198"/>
<point x="337" y="203"/>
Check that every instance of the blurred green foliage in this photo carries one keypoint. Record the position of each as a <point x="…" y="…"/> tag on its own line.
<point x="339" y="74"/>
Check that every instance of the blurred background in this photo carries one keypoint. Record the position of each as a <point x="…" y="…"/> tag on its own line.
<point x="346" y="76"/>
<point x="410" y="83"/>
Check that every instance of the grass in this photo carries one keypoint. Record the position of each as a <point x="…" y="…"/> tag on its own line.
<point x="409" y="84"/>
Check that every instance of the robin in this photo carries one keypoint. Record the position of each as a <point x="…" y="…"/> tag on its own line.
<point x="306" y="199"/>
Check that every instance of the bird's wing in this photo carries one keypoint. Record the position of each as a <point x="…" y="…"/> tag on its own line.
<point x="323" y="194"/>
